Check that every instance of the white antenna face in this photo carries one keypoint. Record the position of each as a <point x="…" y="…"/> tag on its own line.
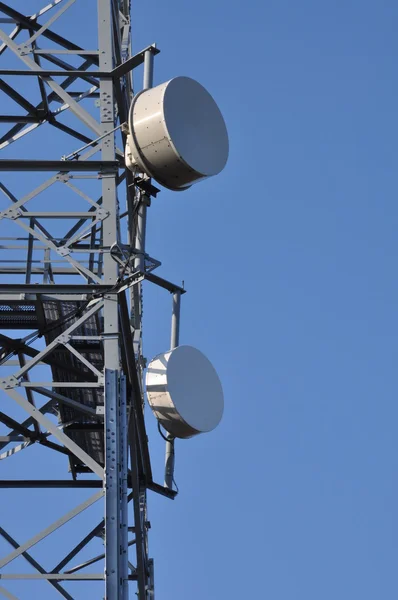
<point x="177" y="134"/>
<point x="184" y="392"/>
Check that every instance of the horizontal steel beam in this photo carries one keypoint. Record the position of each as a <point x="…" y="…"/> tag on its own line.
<point x="48" y="530"/>
<point x="7" y="164"/>
<point x="60" y="51"/>
<point x="93" y="560"/>
<point x="17" y="427"/>
<point x="50" y="483"/>
<point x="14" y="270"/>
<point x="60" y="384"/>
<point x="56" y="73"/>
<point x="134" y="61"/>
<point x="19" y="346"/>
<point x="18" y="119"/>
<point x="53" y="289"/>
<point x="34" y="564"/>
<point x="62" y="296"/>
<point x="64" y="400"/>
<point x="167" y="285"/>
<point x="30" y="23"/>
<point x="84" y="427"/>
<point x="59" y="215"/>
<point x="160" y="489"/>
<point x="55" y="576"/>
<point x="121" y="70"/>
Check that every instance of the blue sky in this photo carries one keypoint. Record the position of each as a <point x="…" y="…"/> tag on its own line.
<point x="289" y="259"/>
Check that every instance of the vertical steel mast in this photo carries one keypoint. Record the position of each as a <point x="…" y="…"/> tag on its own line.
<point x="72" y="259"/>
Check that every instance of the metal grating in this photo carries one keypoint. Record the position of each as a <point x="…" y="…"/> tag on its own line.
<point x="18" y="316"/>
<point x="90" y="441"/>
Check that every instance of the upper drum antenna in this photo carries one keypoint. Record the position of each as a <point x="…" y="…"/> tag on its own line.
<point x="177" y="134"/>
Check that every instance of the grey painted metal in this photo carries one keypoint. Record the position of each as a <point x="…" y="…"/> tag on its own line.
<point x="96" y="531"/>
<point x="97" y="292"/>
<point x="140" y="224"/>
<point x="7" y="594"/>
<point x="46" y="532"/>
<point x="34" y="563"/>
<point x="79" y="52"/>
<point x="97" y="304"/>
<point x="77" y="152"/>
<point x="29" y="22"/>
<point x="136" y="224"/>
<point x="114" y="586"/>
<point x="139" y="262"/>
<point x="49" y="425"/>
<point x="50" y="21"/>
<point x="74" y="106"/>
<point x="55" y="576"/>
<point x="148" y="69"/>
<point x="174" y="341"/>
<point x="61" y="384"/>
<point x="135" y="424"/>
<point x="47" y="483"/>
<point x="95" y="559"/>
<point x="167" y="285"/>
<point x="169" y="462"/>
<point x="56" y="72"/>
<point x="56" y="289"/>
<point x="151" y="592"/>
<point x="46" y="408"/>
<point x="124" y="531"/>
<point x="175" y="320"/>
<point x="134" y="61"/>
<point x="56" y="165"/>
<point x="65" y="400"/>
<point x="139" y="510"/>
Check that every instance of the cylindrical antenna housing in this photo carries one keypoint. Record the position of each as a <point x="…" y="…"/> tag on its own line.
<point x="184" y="392"/>
<point x="177" y="134"/>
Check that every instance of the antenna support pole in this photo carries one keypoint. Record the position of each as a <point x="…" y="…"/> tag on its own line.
<point x="175" y="338"/>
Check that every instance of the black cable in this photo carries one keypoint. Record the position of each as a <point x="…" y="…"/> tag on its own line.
<point x="166" y="439"/>
<point x="177" y="490"/>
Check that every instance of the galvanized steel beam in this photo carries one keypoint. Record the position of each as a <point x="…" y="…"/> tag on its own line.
<point x="103" y="282"/>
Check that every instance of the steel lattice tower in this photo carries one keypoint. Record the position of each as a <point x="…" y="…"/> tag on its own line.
<point x="70" y="288"/>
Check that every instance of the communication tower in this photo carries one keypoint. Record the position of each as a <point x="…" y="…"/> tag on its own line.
<point x="73" y="261"/>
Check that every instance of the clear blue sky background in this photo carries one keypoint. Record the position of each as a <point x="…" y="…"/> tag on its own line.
<point x="290" y="261"/>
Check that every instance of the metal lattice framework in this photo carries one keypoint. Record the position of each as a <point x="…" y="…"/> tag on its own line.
<point x="70" y="287"/>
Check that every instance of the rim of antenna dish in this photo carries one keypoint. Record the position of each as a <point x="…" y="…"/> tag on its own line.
<point x="174" y="131"/>
<point x="208" y="391"/>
